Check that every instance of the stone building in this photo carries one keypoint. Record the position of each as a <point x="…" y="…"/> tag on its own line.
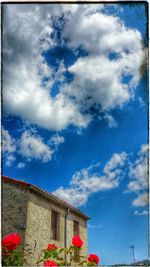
<point x="40" y="217"/>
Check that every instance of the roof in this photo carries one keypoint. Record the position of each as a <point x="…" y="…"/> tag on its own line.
<point x="45" y="194"/>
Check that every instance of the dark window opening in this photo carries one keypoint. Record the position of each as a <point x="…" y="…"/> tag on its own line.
<point x="55" y="225"/>
<point x="76" y="232"/>
<point x="76" y="228"/>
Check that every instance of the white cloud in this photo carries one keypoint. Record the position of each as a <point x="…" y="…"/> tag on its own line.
<point x="20" y="165"/>
<point x="26" y="35"/>
<point x="57" y="139"/>
<point x="32" y="146"/>
<point x="74" y="196"/>
<point x="114" y="162"/>
<point x="111" y="121"/>
<point x="142" y="213"/>
<point x="99" y="28"/>
<point x="98" y="79"/>
<point x="8" y="143"/>
<point x="88" y="181"/>
<point x="141" y="200"/>
<point x="9" y="159"/>
<point x="8" y="147"/>
<point x="139" y="171"/>
<point x="139" y="177"/>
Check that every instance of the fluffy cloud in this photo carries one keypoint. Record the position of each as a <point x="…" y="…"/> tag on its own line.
<point x="20" y="165"/>
<point x="57" y="139"/>
<point x="74" y="196"/>
<point x="26" y="36"/>
<point x="114" y="162"/>
<point x="8" y="143"/>
<point x="8" y="147"/>
<point x="87" y="181"/>
<point x="113" y="52"/>
<point x="9" y="159"/>
<point x="30" y="146"/>
<point x="139" y="177"/>
<point x="111" y="121"/>
<point x="141" y="200"/>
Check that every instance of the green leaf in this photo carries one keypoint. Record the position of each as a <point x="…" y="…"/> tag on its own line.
<point x="61" y="250"/>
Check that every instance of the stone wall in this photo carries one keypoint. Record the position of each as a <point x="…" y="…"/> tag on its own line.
<point x="38" y="229"/>
<point x="82" y="231"/>
<point x="14" y="209"/>
<point x="29" y="213"/>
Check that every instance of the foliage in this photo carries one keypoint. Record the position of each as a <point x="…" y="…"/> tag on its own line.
<point x="14" y="255"/>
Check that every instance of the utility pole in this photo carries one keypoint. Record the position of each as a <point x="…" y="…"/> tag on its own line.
<point x="132" y="249"/>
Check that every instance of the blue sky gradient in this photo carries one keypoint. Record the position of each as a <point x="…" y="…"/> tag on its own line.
<point x="84" y="146"/>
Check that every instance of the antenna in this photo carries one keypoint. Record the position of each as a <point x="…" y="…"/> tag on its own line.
<point x="132" y="249"/>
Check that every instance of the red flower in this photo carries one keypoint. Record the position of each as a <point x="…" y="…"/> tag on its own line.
<point x="51" y="246"/>
<point x="11" y="241"/>
<point x="50" y="263"/>
<point x="93" y="258"/>
<point x="77" y="242"/>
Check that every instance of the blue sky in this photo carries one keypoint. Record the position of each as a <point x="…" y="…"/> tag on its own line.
<point x="75" y="105"/>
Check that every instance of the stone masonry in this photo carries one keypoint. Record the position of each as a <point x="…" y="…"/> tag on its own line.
<point x="27" y="209"/>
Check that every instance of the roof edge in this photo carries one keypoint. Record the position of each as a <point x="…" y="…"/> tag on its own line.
<point x="46" y="194"/>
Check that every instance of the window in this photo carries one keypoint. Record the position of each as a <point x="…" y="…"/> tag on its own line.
<point x="76" y="227"/>
<point x="55" y="225"/>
